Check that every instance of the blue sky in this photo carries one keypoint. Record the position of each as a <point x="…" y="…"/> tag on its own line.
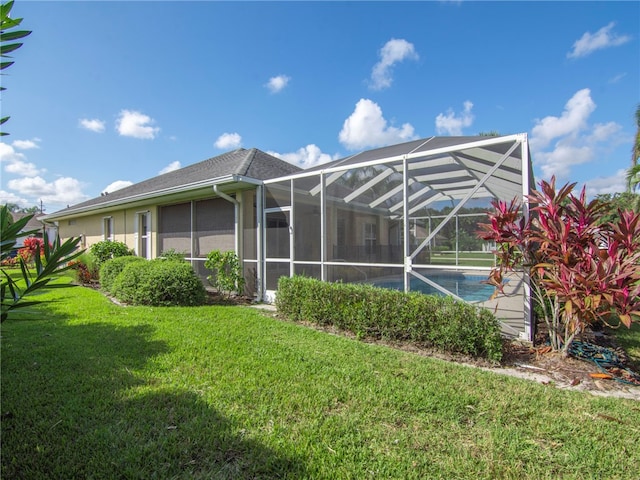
<point x="107" y="93"/>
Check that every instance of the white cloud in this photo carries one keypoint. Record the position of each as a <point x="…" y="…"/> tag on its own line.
<point x="170" y="168"/>
<point x="137" y="125"/>
<point x="26" y="144"/>
<point x="573" y="119"/>
<point x="590" y="42"/>
<point x="602" y="185"/>
<point x="602" y="132"/>
<point x="16" y="162"/>
<point x="8" y="197"/>
<point x="117" y="185"/>
<point x="566" y="154"/>
<point x="617" y="78"/>
<point x="450" y="124"/>
<point x="394" y="51"/>
<point x="93" y="124"/>
<point x="366" y="127"/>
<point x="560" y="143"/>
<point x="277" y="84"/>
<point x="63" y="190"/>
<point x="228" y="141"/>
<point x="26" y="169"/>
<point x="305" y="157"/>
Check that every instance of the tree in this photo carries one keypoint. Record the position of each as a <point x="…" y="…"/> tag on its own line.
<point x="614" y="203"/>
<point x="633" y="178"/>
<point x="6" y="24"/>
<point x="15" y="208"/>
<point x="635" y="150"/>
<point x="633" y="174"/>
<point x="581" y="271"/>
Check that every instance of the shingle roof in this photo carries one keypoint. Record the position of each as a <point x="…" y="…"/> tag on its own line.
<point x="32" y="224"/>
<point x="252" y="163"/>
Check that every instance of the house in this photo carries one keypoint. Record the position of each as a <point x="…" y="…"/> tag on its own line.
<point x="402" y="216"/>
<point x="32" y="225"/>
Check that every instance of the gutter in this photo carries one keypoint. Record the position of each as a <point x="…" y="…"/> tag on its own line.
<point x="150" y="195"/>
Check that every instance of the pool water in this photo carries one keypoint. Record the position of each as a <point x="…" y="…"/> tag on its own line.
<point x="467" y="287"/>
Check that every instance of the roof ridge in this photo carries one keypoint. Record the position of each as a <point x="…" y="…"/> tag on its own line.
<point x="250" y="156"/>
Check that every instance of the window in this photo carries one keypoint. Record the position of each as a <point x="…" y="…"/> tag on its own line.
<point x="341" y="232"/>
<point x="107" y="228"/>
<point x="370" y="237"/>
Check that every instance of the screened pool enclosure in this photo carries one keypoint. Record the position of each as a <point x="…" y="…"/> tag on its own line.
<point x="402" y="217"/>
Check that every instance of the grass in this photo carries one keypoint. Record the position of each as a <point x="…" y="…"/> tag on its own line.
<point x="93" y="390"/>
<point x="467" y="259"/>
<point x="629" y="340"/>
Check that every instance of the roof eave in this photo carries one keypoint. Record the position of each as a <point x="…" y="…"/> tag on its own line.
<point x="226" y="179"/>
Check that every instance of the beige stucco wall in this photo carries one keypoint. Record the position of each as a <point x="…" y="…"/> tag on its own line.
<point x="90" y="227"/>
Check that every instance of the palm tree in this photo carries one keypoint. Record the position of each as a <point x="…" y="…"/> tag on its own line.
<point x="633" y="178"/>
<point x="635" y="150"/>
<point x="633" y="174"/>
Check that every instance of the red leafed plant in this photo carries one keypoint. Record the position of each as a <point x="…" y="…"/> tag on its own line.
<point x="581" y="271"/>
<point x="31" y="247"/>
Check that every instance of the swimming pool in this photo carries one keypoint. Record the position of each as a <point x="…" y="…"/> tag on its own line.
<point x="467" y="287"/>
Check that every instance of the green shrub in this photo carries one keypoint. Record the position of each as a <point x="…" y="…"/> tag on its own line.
<point x="368" y="311"/>
<point x="227" y="272"/>
<point x="106" y="250"/>
<point x="159" y="283"/>
<point x="110" y="270"/>
<point x="173" y="254"/>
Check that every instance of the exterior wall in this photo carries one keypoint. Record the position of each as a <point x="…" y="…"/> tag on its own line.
<point x="91" y="227"/>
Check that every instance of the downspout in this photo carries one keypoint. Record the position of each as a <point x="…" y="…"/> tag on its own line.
<point x="237" y="229"/>
<point x="236" y="209"/>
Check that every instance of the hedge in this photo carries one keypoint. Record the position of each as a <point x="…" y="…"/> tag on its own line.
<point x="159" y="282"/>
<point x="367" y="311"/>
<point x="110" y="270"/>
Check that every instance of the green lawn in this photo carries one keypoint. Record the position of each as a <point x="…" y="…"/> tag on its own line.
<point x="93" y="390"/>
<point x="629" y="340"/>
<point x="468" y="259"/>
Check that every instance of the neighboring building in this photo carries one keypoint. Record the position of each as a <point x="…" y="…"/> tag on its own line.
<point x="32" y="224"/>
<point x="402" y="216"/>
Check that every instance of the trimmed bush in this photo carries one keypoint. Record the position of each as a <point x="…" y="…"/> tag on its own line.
<point x="106" y="250"/>
<point x="379" y="313"/>
<point x="159" y="283"/>
<point x="110" y="270"/>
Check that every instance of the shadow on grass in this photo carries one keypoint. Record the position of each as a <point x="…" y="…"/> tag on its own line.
<point x="83" y="401"/>
<point x="629" y="340"/>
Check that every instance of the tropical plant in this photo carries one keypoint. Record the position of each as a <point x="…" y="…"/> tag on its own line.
<point x="635" y="150"/>
<point x="31" y="247"/>
<point x="581" y="271"/>
<point x="633" y="174"/>
<point x="227" y="272"/>
<point x="85" y="268"/>
<point x="6" y="24"/>
<point x="55" y="259"/>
